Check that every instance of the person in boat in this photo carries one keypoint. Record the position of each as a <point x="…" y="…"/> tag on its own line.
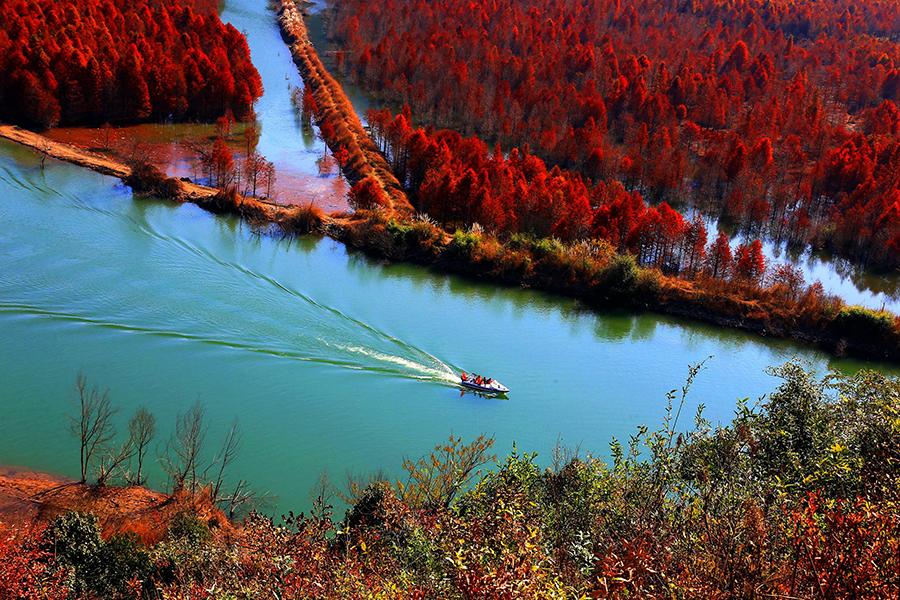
<point x="479" y="380"/>
<point x="464" y="376"/>
<point x="489" y="381"/>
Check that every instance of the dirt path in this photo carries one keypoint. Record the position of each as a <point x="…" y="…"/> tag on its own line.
<point x="335" y="108"/>
<point x="203" y="196"/>
<point x="85" y="158"/>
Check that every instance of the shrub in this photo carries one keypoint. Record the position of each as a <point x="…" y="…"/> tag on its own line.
<point x="415" y="238"/>
<point x="368" y="194"/>
<point x="846" y="549"/>
<point x="546" y="247"/>
<point x="223" y="202"/>
<point x="122" y="559"/>
<point x="75" y="539"/>
<point x="857" y="322"/>
<point x="190" y="528"/>
<point x="97" y="567"/>
<point x="463" y="246"/>
<point x="489" y="251"/>
<point x="27" y="569"/>
<point x="371" y="234"/>
<point x="514" y="265"/>
<point x="304" y="219"/>
<point x="795" y="429"/>
<point x="147" y="179"/>
<point x="648" y="284"/>
<point x="620" y="276"/>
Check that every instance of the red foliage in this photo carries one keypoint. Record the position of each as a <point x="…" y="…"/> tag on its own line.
<point x="680" y="101"/>
<point x="93" y="61"/>
<point x="368" y="194"/>
<point x="844" y="549"/>
<point x="26" y="571"/>
<point x="458" y="181"/>
<point x="719" y="260"/>
<point x="750" y="262"/>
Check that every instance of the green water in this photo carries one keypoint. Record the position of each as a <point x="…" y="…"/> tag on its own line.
<point x="328" y="360"/>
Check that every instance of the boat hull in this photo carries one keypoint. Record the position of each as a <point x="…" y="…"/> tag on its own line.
<point x="484" y="388"/>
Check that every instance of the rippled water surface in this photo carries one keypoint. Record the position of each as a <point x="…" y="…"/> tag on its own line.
<point x="328" y="360"/>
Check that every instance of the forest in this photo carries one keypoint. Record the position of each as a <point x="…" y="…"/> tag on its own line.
<point x="797" y="498"/>
<point x="459" y="181"/>
<point x="88" y="62"/>
<point x="779" y="119"/>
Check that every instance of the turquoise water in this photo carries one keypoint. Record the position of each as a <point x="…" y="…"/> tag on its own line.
<point x="330" y="361"/>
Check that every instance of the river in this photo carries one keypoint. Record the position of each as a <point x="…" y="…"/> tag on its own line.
<point x="329" y="361"/>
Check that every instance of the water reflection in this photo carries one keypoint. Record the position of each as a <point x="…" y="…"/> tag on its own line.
<point x="332" y="360"/>
<point x="839" y="276"/>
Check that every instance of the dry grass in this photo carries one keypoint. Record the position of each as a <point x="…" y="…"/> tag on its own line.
<point x="303" y="219"/>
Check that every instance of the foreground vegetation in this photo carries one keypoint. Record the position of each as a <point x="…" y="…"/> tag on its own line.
<point x="798" y="497"/>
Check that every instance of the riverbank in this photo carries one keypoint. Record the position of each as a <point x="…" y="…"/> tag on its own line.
<point x="92" y="160"/>
<point x="170" y="147"/>
<point x="603" y="279"/>
<point x="30" y="498"/>
<point x="599" y="277"/>
<point x="145" y="178"/>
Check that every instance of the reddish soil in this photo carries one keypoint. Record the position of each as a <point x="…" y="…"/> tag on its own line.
<point x="28" y="497"/>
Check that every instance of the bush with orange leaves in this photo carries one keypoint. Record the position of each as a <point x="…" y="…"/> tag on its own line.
<point x="27" y="571"/>
<point x="367" y="194"/>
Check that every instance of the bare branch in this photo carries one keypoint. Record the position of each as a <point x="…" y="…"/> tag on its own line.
<point x="93" y="423"/>
<point x="226" y="455"/>
<point x="435" y="480"/>
<point x="183" y="449"/>
<point x="242" y="499"/>
<point x="113" y="461"/>
<point x="141" y="429"/>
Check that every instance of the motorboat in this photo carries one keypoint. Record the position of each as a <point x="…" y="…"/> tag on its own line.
<point x="486" y="385"/>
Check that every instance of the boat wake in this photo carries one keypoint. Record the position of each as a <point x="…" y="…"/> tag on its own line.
<point x="415" y="364"/>
<point x="243" y="307"/>
<point x="428" y="368"/>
